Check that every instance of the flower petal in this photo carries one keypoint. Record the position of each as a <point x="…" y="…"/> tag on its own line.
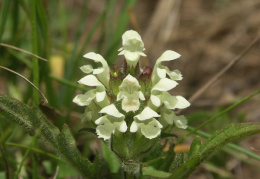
<point x="87" y="69"/>
<point x="159" y="70"/>
<point x="133" y="47"/>
<point x="85" y="99"/>
<point x="130" y="93"/>
<point x="147" y="113"/>
<point x="102" y="72"/>
<point x="141" y="96"/>
<point x="133" y="127"/>
<point x="180" y="122"/>
<point x="90" y="80"/>
<point x="174" y="75"/>
<point x="168" y="100"/>
<point x="165" y="84"/>
<point x="170" y="117"/>
<point x="100" y="96"/>
<point x="168" y="55"/>
<point x="150" y="129"/>
<point x="123" y="127"/>
<point x="155" y="100"/>
<point x="182" y="102"/>
<point x="105" y="128"/>
<point x="112" y="111"/>
<point x="167" y="115"/>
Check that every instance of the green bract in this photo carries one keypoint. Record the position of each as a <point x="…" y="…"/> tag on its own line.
<point x="132" y="99"/>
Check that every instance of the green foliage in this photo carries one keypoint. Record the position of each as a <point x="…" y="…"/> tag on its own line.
<point x="62" y="142"/>
<point x="150" y="171"/>
<point x="231" y="133"/>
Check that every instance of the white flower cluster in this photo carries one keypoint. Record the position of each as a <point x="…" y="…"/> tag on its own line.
<point x="130" y="97"/>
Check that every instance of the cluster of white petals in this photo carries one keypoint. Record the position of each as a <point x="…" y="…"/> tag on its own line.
<point x="164" y="80"/>
<point x="130" y="93"/>
<point x="148" y="113"/>
<point x="133" y="47"/>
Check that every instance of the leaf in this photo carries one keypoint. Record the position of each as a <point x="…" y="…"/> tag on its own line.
<point x="111" y="158"/>
<point x="156" y="163"/>
<point x="168" y="160"/>
<point x="195" y="146"/>
<point x="4" y="15"/>
<point x="61" y="142"/>
<point x="177" y="161"/>
<point x="150" y="171"/>
<point x="231" y="133"/>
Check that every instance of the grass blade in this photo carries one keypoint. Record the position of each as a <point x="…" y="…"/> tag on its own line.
<point x="19" y="49"/>
<point x="4" y="17"/>
<point x="35" y="51"/>
<point x="35" y="87"/>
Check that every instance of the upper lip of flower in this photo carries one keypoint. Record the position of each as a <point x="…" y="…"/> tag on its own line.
<point x="133" y="47"/>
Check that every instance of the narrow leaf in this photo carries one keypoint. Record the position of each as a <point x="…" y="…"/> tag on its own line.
<point x="177" y="162"/>
<point x="111" y="158"/>
<point x="4" y="17"/>
<point x="34" y="121"/>
<point x="168" y="160"/>
<point x="231" y="133"/>
<point x="150" y="171"/>
<point x="194" y="148"/>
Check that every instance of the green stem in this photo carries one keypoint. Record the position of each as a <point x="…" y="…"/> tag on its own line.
<point x="35" y="51"/>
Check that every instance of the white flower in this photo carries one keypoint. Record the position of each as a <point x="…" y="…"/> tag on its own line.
<point x="146" y="122"/>
<point x="90" y="113"/>
<point x="169" y="116"/>
<point x="160" y="71"/>
<point x="101" y="72"/>
<point x="174" y="102"/>
<point x="130" y="93"/>
<point x="162" y="84"/>
<point x="100" y="82"/>
<point x="113" y="120"/>
<point x="133" y="47"/>
<point x="99" y="93"/>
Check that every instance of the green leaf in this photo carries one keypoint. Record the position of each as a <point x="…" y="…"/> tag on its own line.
<point x="4" y="15"/>
<point x="156" y="163"/>
<point x="194" y="148"/>
<point x="35" y="51"/>
<point x="150" y="171"/>
<point x="69" y="152"/>
<point x="168" y="160"/>
<point x="61" y="142"/>
<point x="111" y="158"/>
<point x="177" y="162"/>
<point x="231" y="133"/>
